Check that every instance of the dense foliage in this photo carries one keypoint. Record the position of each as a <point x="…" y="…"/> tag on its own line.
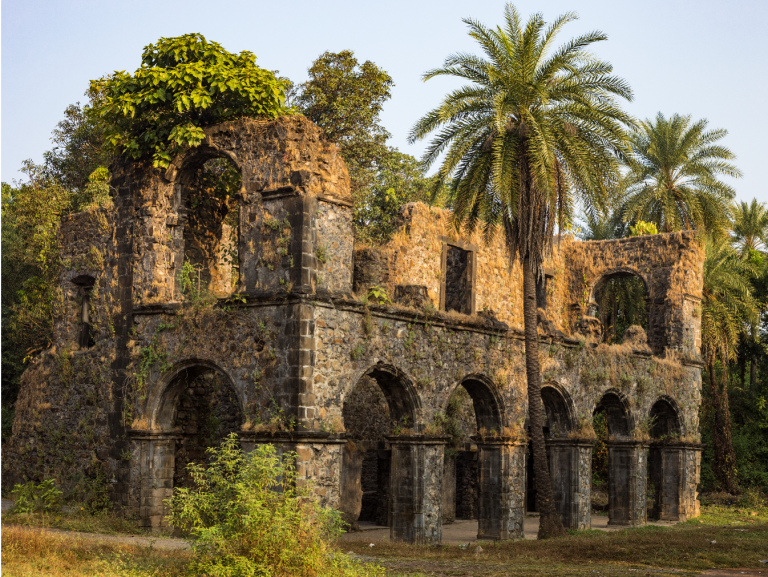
<point x="673" y="177"/>
<point x="184" y="84"/>
<point x="250" y="517"/>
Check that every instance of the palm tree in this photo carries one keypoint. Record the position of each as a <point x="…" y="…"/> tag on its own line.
<point x="536" y="129"/>
<point x="673" y="175"/>
<point x="727" y="302"/>
<point x="750" y="226"/>
<point x="750" y="234"/>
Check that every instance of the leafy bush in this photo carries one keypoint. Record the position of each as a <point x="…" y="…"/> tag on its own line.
<point x="31" y="498"/>
<point x="250" y="517"/>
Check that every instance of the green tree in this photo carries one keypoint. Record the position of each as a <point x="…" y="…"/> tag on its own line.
<point x="78" y="148"/>
<point x="345" y="98"/>
<point x="537" y="128"/>
<point x="750" y="226"/>
<point x="31" y="213"/>
<point x="398" y="180"/>
<point x="673" y="175"/>
<point x="184" y="84"/>
<point x="727" y="303"/>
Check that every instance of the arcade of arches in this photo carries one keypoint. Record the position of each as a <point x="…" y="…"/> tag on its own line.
<point x="408" y="413"/>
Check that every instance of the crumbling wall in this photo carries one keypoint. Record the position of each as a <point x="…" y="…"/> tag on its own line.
<point x="61" y="426"/>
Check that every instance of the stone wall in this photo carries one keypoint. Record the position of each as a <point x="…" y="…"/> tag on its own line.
<point x="294" y="342"/>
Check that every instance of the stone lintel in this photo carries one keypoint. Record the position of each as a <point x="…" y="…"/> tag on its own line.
<point x="417" y="439"/>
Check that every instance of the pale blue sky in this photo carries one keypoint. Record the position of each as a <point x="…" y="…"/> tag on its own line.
<point x="698" y="57"/>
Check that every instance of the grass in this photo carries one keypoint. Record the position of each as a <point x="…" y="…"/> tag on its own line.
<point x="31" y="552"/>
<point x="77" y="520"/>
<point x="741" y="540"/>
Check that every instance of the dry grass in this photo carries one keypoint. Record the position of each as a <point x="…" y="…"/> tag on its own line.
<point x="79" y="520"/>
<point x="32" y="552"/>
<point x="740" y="541"/>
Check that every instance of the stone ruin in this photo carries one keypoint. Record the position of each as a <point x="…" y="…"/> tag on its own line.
<point x="296" y="350"/>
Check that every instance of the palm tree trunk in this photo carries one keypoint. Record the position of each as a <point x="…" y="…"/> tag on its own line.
<point x="551" y="525"/>
<point x="724" y="464"/>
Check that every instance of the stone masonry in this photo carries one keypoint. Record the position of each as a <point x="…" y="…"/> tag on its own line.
<point x="145" y="372"/>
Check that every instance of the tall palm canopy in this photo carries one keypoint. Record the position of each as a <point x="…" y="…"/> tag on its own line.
<point x="727" y="301"/>
<point x="536" y="124"/>
<point x="673" y="175"/>
<point x="750" y="226"/>
<point x="537" y="129"/>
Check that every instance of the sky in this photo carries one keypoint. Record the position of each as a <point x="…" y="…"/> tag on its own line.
<point x="699" y="57"/>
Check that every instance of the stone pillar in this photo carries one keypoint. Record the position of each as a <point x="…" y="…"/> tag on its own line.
<point x="627" y="479"/>
<point x="674" y="471"/>
<point x="318" y="459"/>
<point x="152" y="465"/>
<point x="416" y="489"/>
<point x="449" y="489"/>
<point x="501" y="472"/>
<point x="570" y="466"/>
<point x="691" y="472"/>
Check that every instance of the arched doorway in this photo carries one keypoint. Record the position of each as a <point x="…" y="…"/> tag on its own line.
<point x="626" y="461"/>
<point x="568" y="460"/>
<point x="665" y="461"/>
<point x="381" y="403"/>
<point x="489" y="464"/>
<point x="192" y="408"/>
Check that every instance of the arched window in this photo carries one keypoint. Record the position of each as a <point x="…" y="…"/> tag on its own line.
<point x="620" y="301"/>
<point x="210" y="233"/>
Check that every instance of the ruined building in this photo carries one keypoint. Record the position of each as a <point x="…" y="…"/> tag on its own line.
<point x="147" y="369"/>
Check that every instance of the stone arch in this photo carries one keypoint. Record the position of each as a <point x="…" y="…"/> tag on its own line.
<point x="614" y="273"/>
<point x="618" y="414"/>
<point x="399" y="391"/>
<point x="666" y="418"/>
<point x="162" y="400"/>
<point x="560" y="414"/>
<point x="488" y="404"/>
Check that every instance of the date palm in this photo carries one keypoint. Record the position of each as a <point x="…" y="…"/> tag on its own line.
<point x="673" y="178"/>
<point x="750" y="226"/>
<point x="727" y="303"/>
<point x="536" y="130"/>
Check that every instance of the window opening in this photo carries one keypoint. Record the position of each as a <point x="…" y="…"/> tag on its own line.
<point x="84" y="289"/>
<point x="621" y="303"/>
<point x="212" y="230"/>
<point x="458" y="284"/>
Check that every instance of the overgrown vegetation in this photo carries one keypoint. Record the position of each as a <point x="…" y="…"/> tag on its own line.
<point x="249" y="516"/>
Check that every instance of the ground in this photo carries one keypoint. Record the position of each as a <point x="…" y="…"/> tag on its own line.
<point x="725" y="536"/>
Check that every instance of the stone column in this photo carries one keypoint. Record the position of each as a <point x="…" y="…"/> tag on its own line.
<point x="318" y="459"/>
<point x="674" y="471"/>
<point x="152" y="467"/>
<point x="501" y="472"/>
<point x="570" y="466"/>
<point x="691" y="472"/>
<point x="449" y="489"/>
<point x="627" y="479"/>
<point x="416" y="484"/>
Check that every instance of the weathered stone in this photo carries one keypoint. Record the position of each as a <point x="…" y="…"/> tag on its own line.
<point x="290" y="346"/>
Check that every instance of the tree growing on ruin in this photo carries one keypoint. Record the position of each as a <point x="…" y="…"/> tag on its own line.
<point x="536" y="128"/>
<point x="184" y="84"/>
<point x="673" y="178"/>
<point x="345" y="98"/>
